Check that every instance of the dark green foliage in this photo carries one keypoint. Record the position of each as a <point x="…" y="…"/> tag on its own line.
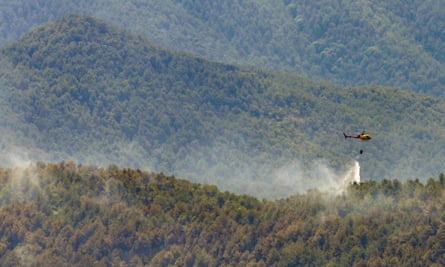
<point x="68" y="214"/>
<point x="395" y="43"/>
<point x="79" y="88"/>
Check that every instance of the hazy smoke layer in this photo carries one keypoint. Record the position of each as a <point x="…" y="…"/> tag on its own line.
<point x="299" y="178"/>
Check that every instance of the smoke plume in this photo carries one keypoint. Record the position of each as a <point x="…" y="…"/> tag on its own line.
<point x="299" y="178"/>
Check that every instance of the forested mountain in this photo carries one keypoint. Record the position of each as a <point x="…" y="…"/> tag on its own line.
<point x="396" y="43"/>
<point x="81" y="89"/>
<point x="69" y="215"/>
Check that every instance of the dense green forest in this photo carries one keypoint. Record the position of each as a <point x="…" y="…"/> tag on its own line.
<point x="81" y="89"/>
<point x="66" y="214"/>
<point x="262" y="152"/>
<point x="394" y="43"/>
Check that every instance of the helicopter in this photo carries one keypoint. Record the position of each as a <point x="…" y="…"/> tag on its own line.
<point x="362" y="136"/>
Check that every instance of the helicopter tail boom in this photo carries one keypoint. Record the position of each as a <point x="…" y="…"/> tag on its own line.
<point x="347" y="136"/>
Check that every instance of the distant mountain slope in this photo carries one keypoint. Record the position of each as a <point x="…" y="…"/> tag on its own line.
<point x="80" y="215"/>
<point x="81" y="89"/>
<point x="394" y="43"/>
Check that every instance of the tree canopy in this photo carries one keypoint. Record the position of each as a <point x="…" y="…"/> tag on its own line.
<point x="392" y="43"/>
<point x="81" y="89"/>
<point x="81" y="215"/>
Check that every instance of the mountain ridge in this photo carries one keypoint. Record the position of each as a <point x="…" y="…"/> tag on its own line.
<point x="108" y="96"/>
<point x="394" y="43"/>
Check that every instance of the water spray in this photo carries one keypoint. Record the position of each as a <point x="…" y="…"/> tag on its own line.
<point x="351" y="176"/>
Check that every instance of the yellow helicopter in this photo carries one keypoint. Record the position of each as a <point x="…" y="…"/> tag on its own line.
<point x="362" y="136"/>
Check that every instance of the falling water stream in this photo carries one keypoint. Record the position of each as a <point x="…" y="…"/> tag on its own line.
<point x="352" y="175"/>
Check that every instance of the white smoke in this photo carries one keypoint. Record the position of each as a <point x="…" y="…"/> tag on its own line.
<point x="351" y="176"/>
<point x="298" y="178"/>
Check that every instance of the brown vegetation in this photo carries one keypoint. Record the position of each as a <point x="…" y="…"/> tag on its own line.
<point x="65" y="214"/>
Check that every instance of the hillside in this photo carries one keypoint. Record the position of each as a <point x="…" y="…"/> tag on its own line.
<point x="68" y="214"/>
<point x="81" y="89"/>
<point x="393" y="43"/>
